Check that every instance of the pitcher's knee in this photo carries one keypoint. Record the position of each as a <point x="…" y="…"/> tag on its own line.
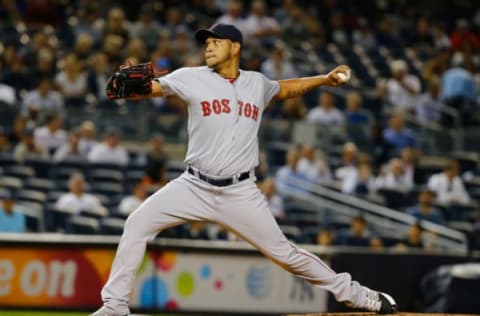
<point x="135" y="226"/>
<point x="290" y="259"/>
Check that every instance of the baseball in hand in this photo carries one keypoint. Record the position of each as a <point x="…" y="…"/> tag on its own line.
<point x="343" y="76"/>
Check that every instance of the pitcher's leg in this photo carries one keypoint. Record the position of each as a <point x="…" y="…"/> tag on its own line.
<point x="172" y="205"/>
<point x="251" y="219"/>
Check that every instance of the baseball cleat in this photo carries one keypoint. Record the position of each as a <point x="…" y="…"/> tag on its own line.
<point x="379" y="302"/>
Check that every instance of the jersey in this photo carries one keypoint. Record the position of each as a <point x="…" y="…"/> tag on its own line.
<point x="223" y="117"/>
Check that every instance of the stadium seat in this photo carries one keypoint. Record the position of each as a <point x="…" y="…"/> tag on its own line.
<point x="56" y="219"/>
<point x="34" y="216"/>
<point x="83" y="225"/>
<point x="11" y="183"/>
<point x="105" y="175"/>
<point x="111" y="226"/>
<point x="7" y="159"/>
<point x="31" y="196"/>
<point x="107" y="188"/>
<point x="39" y="184"/>
<point x="19" y="171"/>
<point x="41" y="166"/>
<point x="97" y="212"/>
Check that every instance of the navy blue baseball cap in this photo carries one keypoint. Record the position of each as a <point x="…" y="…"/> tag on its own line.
<point x="224" y="31"/>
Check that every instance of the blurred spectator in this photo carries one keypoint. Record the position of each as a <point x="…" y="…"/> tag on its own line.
<point x="413" y="238"/>
<point x="363" y="35"/>
<point x="395" y="177"/>
<point x="325" y="236"/>
<point x="110" y="151"/>
<point x="146" y="28"/>
<point x="448" y="186"/>
<point x="136" y="50"/>
<point x="313" y="166"/>
<point x="402" y="89"/>
<point x="116" y="24"/>
<point x="234" y="16"/>
<point x="43" y="100"/>
<point x="278" y="66"/>
<point x="294" y="29"/>
<point x="51" y="136"/>
<point x="197" y="230"/>
<point x="425" y="209"/>
<point x="88" y="20"/>
<point x="71" y="81"/>
<point x="376" y="243"/>
<point x="421" y="38"/>
<point x="4" y="143"/>
<point x="45" y="64"/>
<point x="348" y="164"/>
<point x="325" y="113"/>
<point x="429" y="105"/>
<point x="12" y="219"/>
<point x="458" y="85"/>
<point x="76" y="200"/>
<point x="19" y="127"/>
<point x="409" y="157"/>
<point x="87" y="137"/>
<point x="354" y="113"/>
<point x="70" y="150"/>
<point x="294" y="109"/>
<point x="357" y="235"/>
<point x="261" y="170"/>
<point x="463" y="38"/>
<point x="336" y="29"/>
<point x="398" y="135"/>
<point x="289" y="171"/>
<point x="155" y="176"/>
<point x="362" y="181"/>
<point x="7" y="95"/>
<point x="130" y="203"/>
<point x="156" y="156"/>
<point x="28" y="148"/>
<point x="174" y="22"/>
<point x="17" y="76"/>
<point x="83" y="48"/>
<point x="258" y="25"/>
<point x="274" y="201"/>
<point x="98" y="75"/>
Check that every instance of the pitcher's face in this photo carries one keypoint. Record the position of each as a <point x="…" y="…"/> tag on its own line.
<point x="217" y="51"/>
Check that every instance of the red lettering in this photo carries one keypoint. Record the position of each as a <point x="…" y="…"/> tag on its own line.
<point x="217" y="108"/>
<point x="206" y="108"/>
<point x="255" y="112"/>
<point x="240" y="107"/>
<point x="226" y="106"/>
<point x="248" y="110"/>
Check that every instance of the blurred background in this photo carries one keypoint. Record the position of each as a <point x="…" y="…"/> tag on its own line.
<point x="379" y="177"/>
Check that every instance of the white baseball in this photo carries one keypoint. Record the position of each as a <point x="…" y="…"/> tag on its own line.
<point x="343" y="76"/>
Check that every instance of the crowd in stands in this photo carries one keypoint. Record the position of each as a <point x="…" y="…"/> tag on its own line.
<point x="411" y="63"/>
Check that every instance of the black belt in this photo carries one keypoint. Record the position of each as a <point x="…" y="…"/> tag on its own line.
<point x="219" y="182"/>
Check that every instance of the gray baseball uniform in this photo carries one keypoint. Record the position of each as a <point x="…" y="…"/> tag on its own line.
<point x="224" y="117"/>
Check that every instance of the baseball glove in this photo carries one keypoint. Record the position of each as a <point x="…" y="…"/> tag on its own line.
<point x="130" y="81"/>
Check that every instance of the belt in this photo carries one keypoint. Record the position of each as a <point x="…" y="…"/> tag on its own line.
<point x="219" y="182"/>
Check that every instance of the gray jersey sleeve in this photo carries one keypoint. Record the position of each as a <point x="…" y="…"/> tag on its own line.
<point x="177" y="83"/>
<point x="271" y="89"/>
